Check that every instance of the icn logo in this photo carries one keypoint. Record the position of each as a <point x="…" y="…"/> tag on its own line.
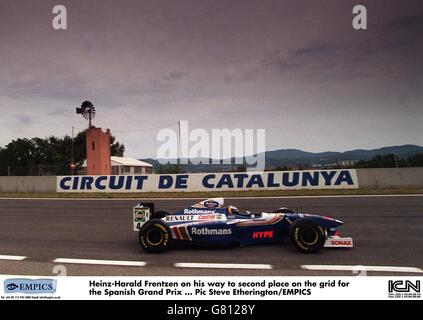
<point x="404" y="289"/>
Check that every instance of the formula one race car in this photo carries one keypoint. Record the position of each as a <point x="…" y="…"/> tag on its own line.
<point x="210" y="223"/>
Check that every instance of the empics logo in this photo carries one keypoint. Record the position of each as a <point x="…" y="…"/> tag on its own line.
<point x="263" y="235"/>
<point x="12" y="286"/>
<point x="404" y="289"/>
<point x="30" y="286"/>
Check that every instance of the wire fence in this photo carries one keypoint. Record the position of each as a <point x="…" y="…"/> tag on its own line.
<point x="63" y="170"/>
<point x="37" y="170"/>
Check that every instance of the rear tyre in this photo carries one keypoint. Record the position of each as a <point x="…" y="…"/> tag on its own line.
<point x="154" y="236"/>
<point x="307" y="236"/>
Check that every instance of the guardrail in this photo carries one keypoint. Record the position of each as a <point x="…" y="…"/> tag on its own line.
<point x="28" y="184"/>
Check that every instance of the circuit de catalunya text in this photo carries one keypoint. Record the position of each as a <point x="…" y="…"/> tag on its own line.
<point x="318" y="179"/>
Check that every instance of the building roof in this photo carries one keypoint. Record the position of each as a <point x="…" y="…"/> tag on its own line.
<point x="125" y="161"/>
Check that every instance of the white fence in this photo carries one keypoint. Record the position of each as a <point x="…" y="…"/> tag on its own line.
<point x="328" y="179"/>
<point x="287" y="180"/>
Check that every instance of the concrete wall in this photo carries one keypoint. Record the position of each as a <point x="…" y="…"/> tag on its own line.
<point x="379" y="178"/>
<point x="28" y="184"/>
<point x="395" y="177"/>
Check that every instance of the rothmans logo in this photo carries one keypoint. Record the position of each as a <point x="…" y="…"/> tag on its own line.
<point x="210" y="232"/>
<point x="198" y="211"/>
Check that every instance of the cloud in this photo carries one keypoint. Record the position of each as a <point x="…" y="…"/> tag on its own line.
<point x="24" y="120"/>
<point x="406" y="22"/>
<point x="43" y="80"/>
<point x="282" y="65"/>
<point x="405" y="36"/>
<point x="317" y="62"/>
<point x="241" y="74"/>
<point x="175" y="76"/>
<point x="315" y="51"/>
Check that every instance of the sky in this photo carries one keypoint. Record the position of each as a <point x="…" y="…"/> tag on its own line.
<point x="296" y="68"/>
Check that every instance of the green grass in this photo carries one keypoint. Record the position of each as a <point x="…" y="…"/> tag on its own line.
<point x="250" y="193"/>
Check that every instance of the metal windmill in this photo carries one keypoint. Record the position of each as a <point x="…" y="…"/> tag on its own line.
<point x="87" y="110"/>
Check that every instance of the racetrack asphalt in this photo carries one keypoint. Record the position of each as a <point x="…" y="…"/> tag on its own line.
<point x="387" y="231"/>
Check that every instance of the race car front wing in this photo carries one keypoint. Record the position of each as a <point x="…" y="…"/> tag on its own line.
<point x="339" y="242"/>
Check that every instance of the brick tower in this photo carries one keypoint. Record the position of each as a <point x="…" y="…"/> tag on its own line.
<point x="98" y="152"/>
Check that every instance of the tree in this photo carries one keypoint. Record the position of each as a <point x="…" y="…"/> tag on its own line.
<point x="280" y="168"/>
<point x="416" y="160"/>
<point x="240" y="168"/>
<point x="169" y="169"/>
<point x="116" y="148"/>
<point x="383" y="161"/>
<point x="30" y="156"/>
<point x="18" y="153"/>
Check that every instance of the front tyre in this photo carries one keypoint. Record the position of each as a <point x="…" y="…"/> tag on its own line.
<point x="154" y="236"/>
<point x="307" y="235"/>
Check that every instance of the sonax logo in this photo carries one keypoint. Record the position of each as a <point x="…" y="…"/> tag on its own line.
<point x="341" y="242"/>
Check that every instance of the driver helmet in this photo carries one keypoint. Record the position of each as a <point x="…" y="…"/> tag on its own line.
<point x="232" y="210"/>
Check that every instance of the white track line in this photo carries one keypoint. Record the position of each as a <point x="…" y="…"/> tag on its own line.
<point x="101" y="262"/>
<point x="361" y="268"/>
<point x="233" y="198"/>
<point x="12" y="258"/>
<point x="223" y="266"/>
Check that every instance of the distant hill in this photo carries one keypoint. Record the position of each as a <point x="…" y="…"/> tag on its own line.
<point x="401" y="151"/>
<point x="303" y="157"/>
<point x="293" y="154"/>
<point x="295" y="157"/>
